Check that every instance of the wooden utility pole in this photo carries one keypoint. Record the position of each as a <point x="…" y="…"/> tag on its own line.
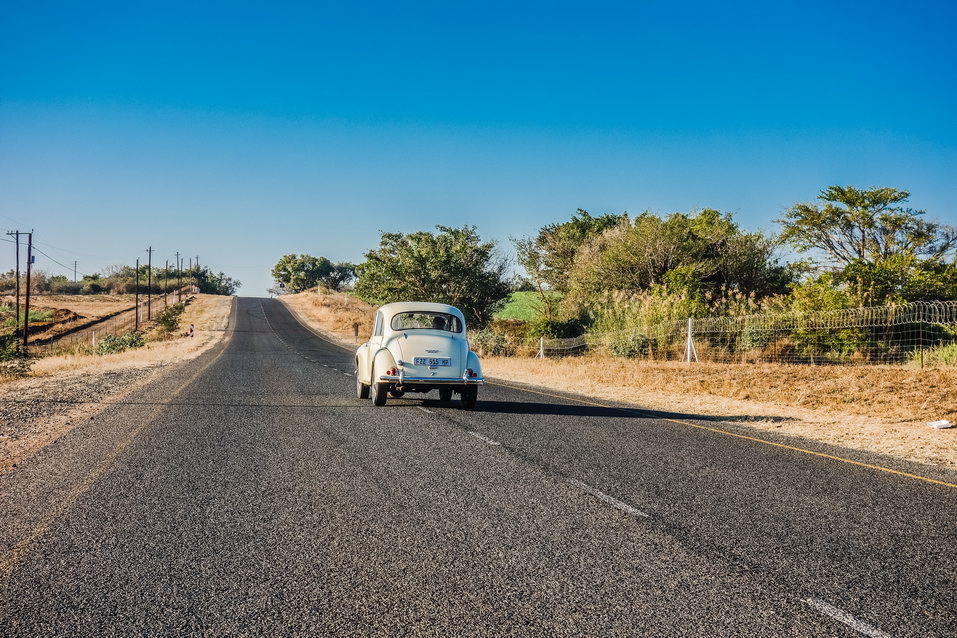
<point x="179" y="278"/>
<point x="26" y="306"/>
<point x="166" y="286"/>
<point x="149" y="284"/>
<point x="74" y="271"/>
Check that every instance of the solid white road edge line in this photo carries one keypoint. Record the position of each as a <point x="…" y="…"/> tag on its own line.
<point x="484" y="438"/>
<point x="611" y="500"/>
<point x="844" y="617"/>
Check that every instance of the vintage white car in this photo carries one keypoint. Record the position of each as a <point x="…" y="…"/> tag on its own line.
<point x="418" y="347"/>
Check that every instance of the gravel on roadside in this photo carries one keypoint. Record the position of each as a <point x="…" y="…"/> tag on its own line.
<point x="34" y="411"/>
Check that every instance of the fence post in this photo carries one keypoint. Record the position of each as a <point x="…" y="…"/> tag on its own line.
<point x="94" y="338"/>
<point x="690" y="350"/>
<point x="920" y="338"/>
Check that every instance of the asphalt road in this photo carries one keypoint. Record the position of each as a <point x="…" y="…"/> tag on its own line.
<point x="248" y="492"/>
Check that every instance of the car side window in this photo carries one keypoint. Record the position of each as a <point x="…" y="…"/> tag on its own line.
<point x="377" y="331"/>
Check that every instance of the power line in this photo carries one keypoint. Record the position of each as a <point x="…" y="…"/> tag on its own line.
<point x="68" y="268"/>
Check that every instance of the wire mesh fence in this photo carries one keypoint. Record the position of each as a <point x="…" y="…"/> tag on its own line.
<point x="917" y="333"/>
<point x="121" y="323"/>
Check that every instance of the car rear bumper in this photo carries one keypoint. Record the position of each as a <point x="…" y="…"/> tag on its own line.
<point x="402" y="379"/>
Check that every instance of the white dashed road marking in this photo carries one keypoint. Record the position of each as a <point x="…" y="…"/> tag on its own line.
<point x="844" y="617"/>
<point x="482" y="437"/>
<point x="611" y="500"/>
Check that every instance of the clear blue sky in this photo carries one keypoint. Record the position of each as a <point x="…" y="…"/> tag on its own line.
<point x="241" y="131"/>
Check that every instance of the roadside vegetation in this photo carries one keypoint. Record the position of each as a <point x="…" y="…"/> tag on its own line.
<point x="111" y="344"/>
<point x="297" y="273"/>
<point x="60" y="306"/>
<point x="168" y="319"/>
<point x="334" y="313"/>
<point x="616" y="274"/>
<point x="153" y="346"/>
<point x="120" y="280"/>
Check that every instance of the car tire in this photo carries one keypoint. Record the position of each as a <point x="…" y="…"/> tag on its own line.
<point x="362" y="390"/>
<point x="396" y="394"/>
<point x="469" y="397"/>
<point x="445" y="395"/>
<point x="380" y="391"/>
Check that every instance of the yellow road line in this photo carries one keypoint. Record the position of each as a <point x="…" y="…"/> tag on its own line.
<point x="21" y="547"/>
<point x="755" y="439"/>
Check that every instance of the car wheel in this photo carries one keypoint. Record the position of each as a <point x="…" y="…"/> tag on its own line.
<point x="396" y="394"/>
<point x="469" y="396"/>
<point x="445" y="395"/>
<point x="362" y="390"/>
<point x="380" y="391"/>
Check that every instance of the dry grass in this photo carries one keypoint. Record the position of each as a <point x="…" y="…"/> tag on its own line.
<point x="335" y="314"/>
<point x="85" y="305"/>
<point x="877" y="408"/>
<point x="209" y="314"/>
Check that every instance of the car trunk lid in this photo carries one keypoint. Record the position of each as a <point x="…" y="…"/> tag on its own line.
<point x="428" y="344"/>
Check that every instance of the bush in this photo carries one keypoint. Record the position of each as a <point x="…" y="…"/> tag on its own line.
<point x="168" y="319"/>
<point x="92" y="288"/>
<point x="61" y="286"/>
<point x="556" y="328"/>
<point x="118" y="343"/>
<point x="629" y="344"/>
<point x="11" y="363"/>
<point x="489" y="343"/>
<point x="945" y="355"/>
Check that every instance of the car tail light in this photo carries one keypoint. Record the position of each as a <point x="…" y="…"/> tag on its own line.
<point x="469" y="372"/>
<point x="391" y="372"/>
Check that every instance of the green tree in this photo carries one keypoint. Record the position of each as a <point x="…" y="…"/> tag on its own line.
<point x="549" y="255"/>
<point x="690" y="254"/>
<point x="340" y="275"/>
<point x="451" y="266"/>
<point x="869" y="225"/>
<point x="301" y="272"/>
<point x="877" y="250"/>
<point x="212" y="283"/>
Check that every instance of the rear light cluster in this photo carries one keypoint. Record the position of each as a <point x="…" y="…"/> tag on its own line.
<point x="391" y="372"/>
<point x="469" y="372"/>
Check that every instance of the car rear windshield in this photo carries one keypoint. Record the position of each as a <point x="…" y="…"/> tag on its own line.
<point x="426" y="321"/>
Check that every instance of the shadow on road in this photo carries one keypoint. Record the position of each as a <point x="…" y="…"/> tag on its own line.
<point x="561" y="409"/>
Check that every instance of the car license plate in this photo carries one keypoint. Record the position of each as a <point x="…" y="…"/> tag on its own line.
<point x="433" y="361"/>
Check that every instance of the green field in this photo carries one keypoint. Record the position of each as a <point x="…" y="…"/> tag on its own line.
<point x="525" y="306"/>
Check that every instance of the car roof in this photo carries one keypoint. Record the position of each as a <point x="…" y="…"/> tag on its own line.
<point x="391" y="309"/>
